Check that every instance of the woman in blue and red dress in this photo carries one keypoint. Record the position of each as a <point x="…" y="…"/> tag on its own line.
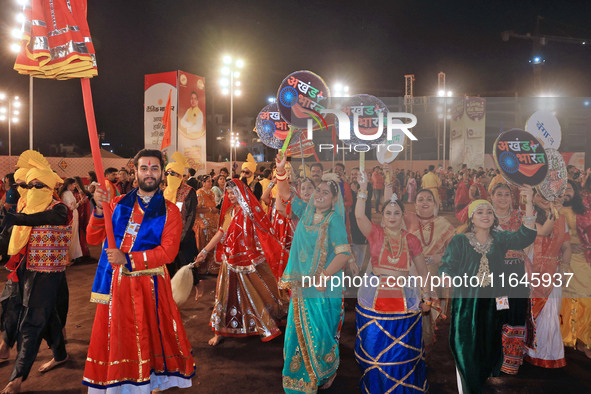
<point x="389" y="346"/>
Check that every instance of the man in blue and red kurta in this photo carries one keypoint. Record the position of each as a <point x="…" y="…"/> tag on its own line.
<point x="138" y="340"/>
<point x="38" y="248"/>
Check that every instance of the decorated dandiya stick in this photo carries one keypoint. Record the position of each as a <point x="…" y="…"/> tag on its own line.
<point x="96" y="156"/>
<point x="302" y="157"/>
<point x="361" y="161"/>
<point x="286" y="143"/>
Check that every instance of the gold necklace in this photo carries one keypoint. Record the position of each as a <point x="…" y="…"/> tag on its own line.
<point x="393" y="259"/>
<point x="483" y="249"/>
<point x="319" y="217"/>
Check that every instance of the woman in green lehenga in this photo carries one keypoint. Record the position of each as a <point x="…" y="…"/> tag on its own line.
<point x="477" y="308"/>
<point x="319" y="251"/>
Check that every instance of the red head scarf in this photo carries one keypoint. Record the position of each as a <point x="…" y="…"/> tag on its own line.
<point x="250" y="231"/>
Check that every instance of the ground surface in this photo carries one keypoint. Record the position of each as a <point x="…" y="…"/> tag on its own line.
<point x="251" y="366"/>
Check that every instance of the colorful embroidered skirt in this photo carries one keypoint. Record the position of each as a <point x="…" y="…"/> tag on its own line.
<point x="248" y="302"/>
<point x="389" y="350"/>
<point x="311" y="347"/>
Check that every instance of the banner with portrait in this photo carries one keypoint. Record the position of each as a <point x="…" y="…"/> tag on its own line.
<point x="191" y="120"/>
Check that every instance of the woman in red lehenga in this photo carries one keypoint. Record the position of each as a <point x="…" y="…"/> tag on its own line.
<point x="247" y="300"/>
<point x="283" y="221"/>
<point x="551" y="248"/>
<point x="280" y="216"/>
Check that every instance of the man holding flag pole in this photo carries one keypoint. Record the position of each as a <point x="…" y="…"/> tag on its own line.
<point x="142" y="230"/>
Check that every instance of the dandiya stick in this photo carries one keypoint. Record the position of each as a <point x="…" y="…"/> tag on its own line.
<point x="302" y="157"/>
<point x="361" y="161"/>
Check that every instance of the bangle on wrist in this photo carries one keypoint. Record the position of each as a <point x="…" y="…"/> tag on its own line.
<point x="281" y="177"/>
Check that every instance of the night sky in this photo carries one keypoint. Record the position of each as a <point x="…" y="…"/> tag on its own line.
<point x="367" y="45"/>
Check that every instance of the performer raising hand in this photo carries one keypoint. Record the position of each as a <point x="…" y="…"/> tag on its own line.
<point x="475" y="329"/>
<point x="247" y="300"/>
<point x="319" y="249"/>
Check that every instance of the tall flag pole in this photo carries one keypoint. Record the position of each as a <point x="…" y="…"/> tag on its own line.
<point x="37" y="58"/>
<point x="96" y="156"/>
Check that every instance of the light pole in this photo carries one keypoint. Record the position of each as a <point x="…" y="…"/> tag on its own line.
<point x="11" y="114"/>
<point x="445" y="115"/>
<point x="234" y="143"/>
<point x="340" y="90"/>
<point x="15" y="47"/>
<point x="230" y="84"/>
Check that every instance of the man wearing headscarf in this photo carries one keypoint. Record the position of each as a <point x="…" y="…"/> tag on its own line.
<point x="37" y="268"/>
<point x="20" y="179"/>
<point x="20" y="175"/>
<point x="249" y="167"/>
<point x="178" y="192"/>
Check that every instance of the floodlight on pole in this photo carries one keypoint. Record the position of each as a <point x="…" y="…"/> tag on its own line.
<point x="229" y="85"/>
<point x="340" y="90"/>
<point x="15" y="47"/>
<point x="10" y="114"/>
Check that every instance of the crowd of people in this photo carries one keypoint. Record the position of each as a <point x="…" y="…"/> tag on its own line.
<point x="276" y="239"/>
